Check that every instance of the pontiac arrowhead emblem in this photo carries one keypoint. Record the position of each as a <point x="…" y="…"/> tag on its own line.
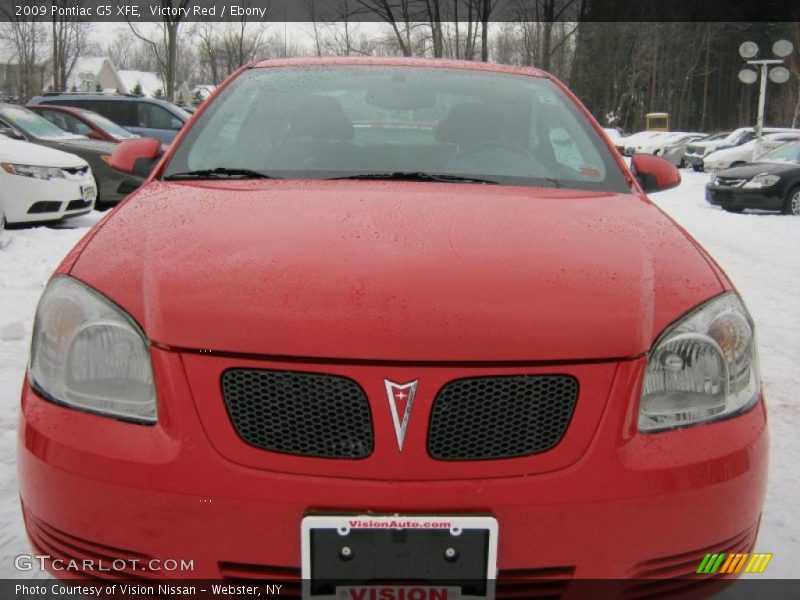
<point x="401" y="399"/>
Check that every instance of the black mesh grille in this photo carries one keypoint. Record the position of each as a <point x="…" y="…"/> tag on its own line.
<point x="299" y="413"/>
<point x="44" y="207"/>
<point x="501" y="417"/>
<point x="76" y="204"/>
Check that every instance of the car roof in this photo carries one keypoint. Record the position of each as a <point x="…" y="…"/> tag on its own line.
<point x="398" y="62"/>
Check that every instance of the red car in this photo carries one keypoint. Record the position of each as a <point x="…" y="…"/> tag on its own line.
<point x="82" y="122"/>
<point x="373" y="321"/>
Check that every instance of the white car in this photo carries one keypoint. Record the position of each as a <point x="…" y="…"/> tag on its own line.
<point x="696" y="152"/>
<point x="628" y="144"/>
<point x="739" y="155"/>
<point x="658" y="144"/>
<point x="42" y="184"/>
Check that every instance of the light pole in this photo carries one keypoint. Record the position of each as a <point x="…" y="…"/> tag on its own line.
<point x="777" y="74"/>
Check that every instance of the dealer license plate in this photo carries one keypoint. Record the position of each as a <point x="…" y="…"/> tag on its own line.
<point x="89" y="193"/>
<point x="399" y="557"/>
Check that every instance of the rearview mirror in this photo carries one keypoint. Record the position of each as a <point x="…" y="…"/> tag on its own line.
<point x="136" y="156"/>
<point x="654" y="173"/>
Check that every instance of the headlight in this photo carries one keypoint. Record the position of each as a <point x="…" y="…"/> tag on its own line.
<point x="702" y="369"/>
<point x="33" y="171"/>
<point x="762" y="180"/>
<point x="88" y="353"/>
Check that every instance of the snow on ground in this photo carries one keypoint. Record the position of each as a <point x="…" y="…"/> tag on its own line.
<point x="760" y="253"/>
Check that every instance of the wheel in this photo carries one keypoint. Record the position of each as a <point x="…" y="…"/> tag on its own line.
<point x="697" y="168"/>
<point x="791" y="205"/>
<point x="733" y="209"/>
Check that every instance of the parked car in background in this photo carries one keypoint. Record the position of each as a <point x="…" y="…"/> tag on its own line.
<point x="770" y="183"/>
<point x="23" y="124"/>
<point x="627" y="144"/>
<point x="658" y="144"/>
<point x="83" y="122"/>
<point x="39" y="184"/>
<point x="146" y="117"/>
<point x="377" y="308"/>
<point x="676" y="152"/>
<point x="748" y="152"/>
<point x="696" y="152"/>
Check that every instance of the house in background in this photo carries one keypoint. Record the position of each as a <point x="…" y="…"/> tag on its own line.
<point x="147" y="81"/>
<point x="188" y="96"/>
<point x="92" y="73"/>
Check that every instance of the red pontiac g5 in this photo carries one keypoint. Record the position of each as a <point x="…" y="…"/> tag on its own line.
<point x="376" y="320"/>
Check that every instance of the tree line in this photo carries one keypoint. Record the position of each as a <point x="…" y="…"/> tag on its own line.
<point x="620" y="70"/>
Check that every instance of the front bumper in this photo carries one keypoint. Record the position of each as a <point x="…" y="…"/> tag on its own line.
<point x="29" y="200"/>
<point x="627" y="505"/>
<point x="769" y="198"/>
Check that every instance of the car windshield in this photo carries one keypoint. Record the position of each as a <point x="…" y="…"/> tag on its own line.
<point x="788" y="153"/>
<point x="108" y="126"/>
<point x="387" y="121"/>
<point x="33" y="124"/>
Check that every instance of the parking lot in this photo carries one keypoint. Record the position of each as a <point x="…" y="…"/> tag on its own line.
<point x="760" y="253"/>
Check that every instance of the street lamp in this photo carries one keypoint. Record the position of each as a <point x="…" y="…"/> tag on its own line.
<point x="778" y="74"/>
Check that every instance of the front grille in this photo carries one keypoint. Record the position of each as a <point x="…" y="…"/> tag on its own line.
<point x="501" y="417"/>
<point x="75" y="170"/>
<point x="76" y="204"/>
<point x="307" y="414"/>
<point x="44" y="207"/>
<point x="729" y="181"/>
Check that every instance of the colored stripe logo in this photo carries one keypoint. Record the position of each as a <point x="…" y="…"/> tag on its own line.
<point x="724" y="563"/>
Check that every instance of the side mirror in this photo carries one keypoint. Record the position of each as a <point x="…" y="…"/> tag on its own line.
<point x="176" y="124"/>
<point x="12" y="133"/>
<point x="136" y="156"/>
<point x="93" y="135"/>
<point x="654" y="173"/>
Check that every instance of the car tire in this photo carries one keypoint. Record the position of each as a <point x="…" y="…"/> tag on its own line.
<point x="697" y="168"/>
<point x="791" y="206"/>
<point x="733" y="209"/>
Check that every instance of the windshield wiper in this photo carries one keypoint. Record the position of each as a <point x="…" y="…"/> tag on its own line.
<point x="220" y="173"/>
<point x="417" y="176"/>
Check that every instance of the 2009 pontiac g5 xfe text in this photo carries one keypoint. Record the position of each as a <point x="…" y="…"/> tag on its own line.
<point x="373" y="321"/>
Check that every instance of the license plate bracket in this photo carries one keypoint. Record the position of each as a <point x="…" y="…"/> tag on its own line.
<point x="342" y="552"/>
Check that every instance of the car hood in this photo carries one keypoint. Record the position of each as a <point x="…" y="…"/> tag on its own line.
<point x="396" y="271"/>
<point x="25" y="153"/>
<point x="752" y="169"/>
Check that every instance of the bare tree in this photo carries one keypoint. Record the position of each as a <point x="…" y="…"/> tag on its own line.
<point x="27" y="40"/>
<point x="164" y="46"/>
<point x="69" y="41"/>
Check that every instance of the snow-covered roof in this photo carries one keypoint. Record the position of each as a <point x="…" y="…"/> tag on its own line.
<point x="86" y="74"/>
<point x="149" y="81"/>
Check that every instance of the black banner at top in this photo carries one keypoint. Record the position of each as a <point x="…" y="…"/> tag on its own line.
<point x="142" y="11"/>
